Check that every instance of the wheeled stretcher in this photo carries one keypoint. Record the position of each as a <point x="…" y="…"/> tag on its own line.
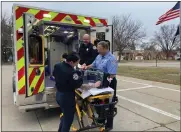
<point x="98" y="109"/>
<point x="95" y="111"/>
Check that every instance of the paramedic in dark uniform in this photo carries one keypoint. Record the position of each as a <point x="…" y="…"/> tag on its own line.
<point x="87" y="51"/>
<point x="67" y="79"/>
<point x="106" y="62"/>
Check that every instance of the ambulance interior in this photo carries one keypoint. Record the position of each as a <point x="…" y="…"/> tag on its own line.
<point x="59" y="39"/>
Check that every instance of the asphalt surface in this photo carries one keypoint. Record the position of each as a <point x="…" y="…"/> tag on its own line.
<point x="143" y="106"/>
<point x="175" y="64"/>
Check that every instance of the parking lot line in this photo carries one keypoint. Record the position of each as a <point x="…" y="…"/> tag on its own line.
<point x="149" y="85"/>
<point x="167" y="89"/>
<point x="133" y="82"/>
<point x="151" y="108"/>
<point x="128" y="89"/>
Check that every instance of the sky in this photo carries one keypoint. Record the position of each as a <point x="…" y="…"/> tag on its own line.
<point x="146" y="12"/>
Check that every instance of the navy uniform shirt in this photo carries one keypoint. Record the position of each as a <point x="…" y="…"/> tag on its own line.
<point x="107" y="63"/>
<point x="87" y="53"/>
<point x="67" y="79"/>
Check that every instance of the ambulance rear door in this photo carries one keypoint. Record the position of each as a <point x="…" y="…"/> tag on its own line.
<point x="34" y="55"/>
<point x="101" y="32"/>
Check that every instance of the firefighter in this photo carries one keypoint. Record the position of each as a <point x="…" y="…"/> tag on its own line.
<point x="87" y="51"/>
<point x="67" y="79"/>
<point x="106" y="62"/>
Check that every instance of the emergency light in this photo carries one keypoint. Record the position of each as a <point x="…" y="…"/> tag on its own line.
<point x="20" y="30"/>
<point x="47" y="15"/>
<point x="87" y="21"/>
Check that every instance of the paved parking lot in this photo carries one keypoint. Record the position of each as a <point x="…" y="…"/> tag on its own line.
<point x="143" y="106"/>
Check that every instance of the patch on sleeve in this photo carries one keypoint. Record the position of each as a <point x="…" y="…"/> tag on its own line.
<point x="75" y="76"/>
<point x="94" y="47"/>
<point x="114" y="62"/>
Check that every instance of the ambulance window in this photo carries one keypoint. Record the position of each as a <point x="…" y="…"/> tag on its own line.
<point x="35" y="50"/>
<point x="81" y="33"/>
<point x="100" y="35"/>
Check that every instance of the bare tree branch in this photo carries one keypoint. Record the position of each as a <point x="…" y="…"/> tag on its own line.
<point x="164" y="39"/>
<point x="6" y="29"/>
<point x="127" y="32"/>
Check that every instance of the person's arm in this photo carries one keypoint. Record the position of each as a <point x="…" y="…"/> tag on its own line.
<point x="112" y="66"/>
<point x="75" y="80"/>
<point x="93" y="65"/>
<point x="89" y="66"/>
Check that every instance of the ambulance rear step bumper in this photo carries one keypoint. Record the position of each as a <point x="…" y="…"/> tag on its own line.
<point x="32" y="107"/>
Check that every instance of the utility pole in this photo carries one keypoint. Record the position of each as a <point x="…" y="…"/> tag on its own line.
<point x="156" y="59"/>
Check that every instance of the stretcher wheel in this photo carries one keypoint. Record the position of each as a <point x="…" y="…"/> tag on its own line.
<point x="73" y="129"/>
<point x="102" y="129"/>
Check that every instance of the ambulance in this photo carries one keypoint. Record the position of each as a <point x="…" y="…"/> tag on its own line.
<point x="40" y="37"/>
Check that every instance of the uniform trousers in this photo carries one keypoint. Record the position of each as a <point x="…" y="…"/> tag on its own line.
<point x="66" y="101"/>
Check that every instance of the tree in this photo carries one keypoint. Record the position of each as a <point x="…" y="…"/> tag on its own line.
<point x="6" y="41"/>
<point x="127" y="33"/>
<point x="164" y="39"/>
<point x="148" y="46"/>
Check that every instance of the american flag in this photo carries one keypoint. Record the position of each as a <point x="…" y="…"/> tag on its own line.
<point x="177" y="33"/>
<point x="171" y="14"/>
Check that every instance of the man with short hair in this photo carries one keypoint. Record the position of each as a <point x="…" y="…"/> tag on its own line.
<point x="107" y="63"/>
<point x="87" y="51"/>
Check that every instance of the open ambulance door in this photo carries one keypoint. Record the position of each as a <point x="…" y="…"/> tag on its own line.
<point x="104" y="33"/>
<point x="34" y="56"/>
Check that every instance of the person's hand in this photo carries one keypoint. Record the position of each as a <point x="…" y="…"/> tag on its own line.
<point x="84" y="67"/>
<point x="109" y="79"/>
<point x="97" y="84"/>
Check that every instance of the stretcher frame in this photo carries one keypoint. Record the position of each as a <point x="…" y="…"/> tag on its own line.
<point x="80" y="112"/>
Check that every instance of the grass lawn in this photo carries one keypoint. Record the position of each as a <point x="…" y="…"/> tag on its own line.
<point x="159" y="74"/>
<point x="149" y="61"/>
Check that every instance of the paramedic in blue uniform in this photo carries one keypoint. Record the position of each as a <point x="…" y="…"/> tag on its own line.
<point x="106" y="62"/>
<point x="87" y="51"/>
<point x="67" y="79"/>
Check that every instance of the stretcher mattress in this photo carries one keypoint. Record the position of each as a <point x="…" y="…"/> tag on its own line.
<point x="94" y="91"/>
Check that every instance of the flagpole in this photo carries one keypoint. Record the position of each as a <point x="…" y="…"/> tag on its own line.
<point x="180" y="36"/>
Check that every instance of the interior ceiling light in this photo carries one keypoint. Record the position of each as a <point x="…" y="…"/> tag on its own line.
<point x="69" y="36"/>
<point x="71" y="32"/>
<point x="65" y="32"/>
